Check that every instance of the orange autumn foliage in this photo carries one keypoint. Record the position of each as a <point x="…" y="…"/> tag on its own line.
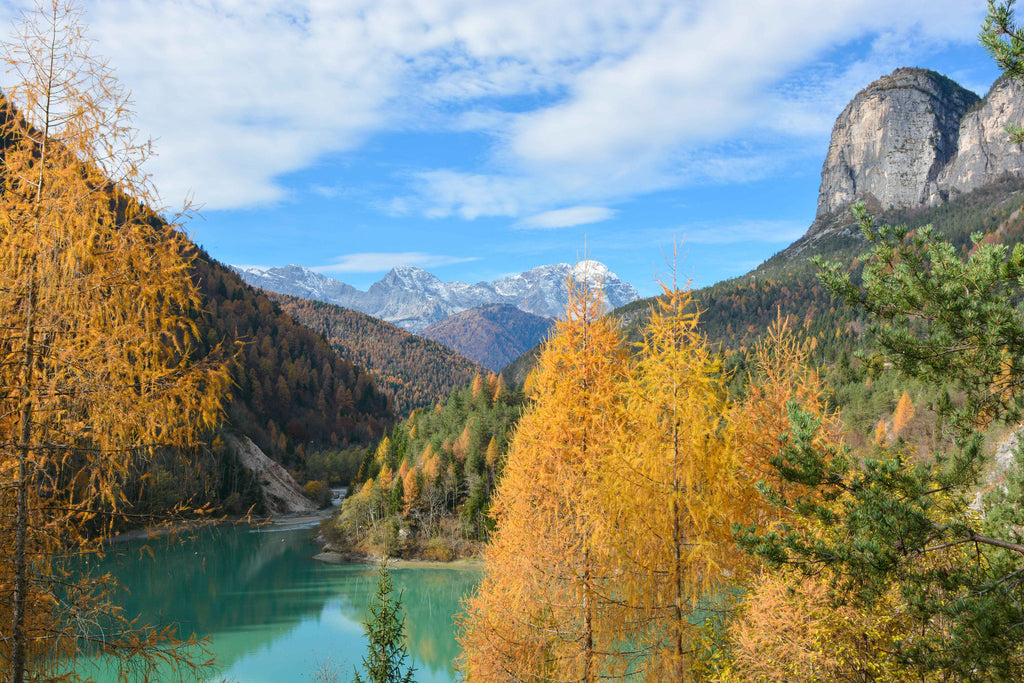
<point x="903" y="415"/>
<point x="541" y="610"/>
<point x="782" y="375"/>
<point x="671" y="491"/>
<point x="793" y="628"/>
<point x="881" y="433"/>
<point x="98" y="358"/>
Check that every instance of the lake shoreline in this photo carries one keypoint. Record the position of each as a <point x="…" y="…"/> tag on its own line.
<point x="328" y="555"/>
<point x="185" y="526"/>
<point x="338" y="557"/>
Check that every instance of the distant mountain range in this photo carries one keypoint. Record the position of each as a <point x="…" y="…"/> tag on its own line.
<point x="493" y="335"/>
<point x="414" y="299"/>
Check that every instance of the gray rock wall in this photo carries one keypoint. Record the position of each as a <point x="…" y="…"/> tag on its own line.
<point x="984" y="152"/>
<point x="893" y="142"/>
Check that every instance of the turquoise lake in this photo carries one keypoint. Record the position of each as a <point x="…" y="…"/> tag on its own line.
<point x="271" y="612"/>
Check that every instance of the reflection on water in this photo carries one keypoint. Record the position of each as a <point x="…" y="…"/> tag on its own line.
<point x="275" y="614"/>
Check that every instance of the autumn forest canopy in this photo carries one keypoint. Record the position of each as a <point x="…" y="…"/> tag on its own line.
<point x="790" y="476"/>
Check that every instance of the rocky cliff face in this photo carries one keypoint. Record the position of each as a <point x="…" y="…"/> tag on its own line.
<point x="896" y="143"/>
<point x="984" y="151"/>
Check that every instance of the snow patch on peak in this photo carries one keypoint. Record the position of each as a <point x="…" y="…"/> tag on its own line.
<point x="410" y="277"/>
<point x="413" y="298"/>
<point x="255" y="270"/>
<point x="591" y="270"/>
<point x="408" y="270"/>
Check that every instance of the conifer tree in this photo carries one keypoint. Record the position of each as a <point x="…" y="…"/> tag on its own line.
<point x="903" y="414"/>
<point x="941" y="319"/>
<point x="543" y="610"/>
<point x="385" y="628"/>
<point x="671" y="492"/>
<point x="97" y="310"/>
<point x="881" y="433"/>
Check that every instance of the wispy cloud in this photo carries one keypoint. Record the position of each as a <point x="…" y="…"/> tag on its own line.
<point x="704" y="233"/>
<point x="566" y="218"/>
<point x="376" y="262"/>
<point x="733" y="232"/>
<point x="239" y="94"/>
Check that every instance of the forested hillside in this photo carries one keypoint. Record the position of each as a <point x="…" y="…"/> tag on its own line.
<point x="426" y="490"/>
<point x="289" y="391"/>
<point x="414" y="371"/>
<point x="493" y="335"/>
<point x="738" y="311"/>
<point x="292" y="392"/>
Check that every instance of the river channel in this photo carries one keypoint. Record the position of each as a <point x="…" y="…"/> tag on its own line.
<point x="271" y="612"/>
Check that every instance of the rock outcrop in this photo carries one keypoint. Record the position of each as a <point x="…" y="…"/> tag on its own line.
<point x="894" y="141"/>
<point x="913" y="139"/>
<point x="281" y="495"/>
<point x="984" y="150"/>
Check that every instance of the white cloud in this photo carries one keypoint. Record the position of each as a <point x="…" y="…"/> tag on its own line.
<point x="376" y="262"/>
<point x="623" y="97"/>
<point x="704" y="233"/>
<point x="567" y="218"/>
<point x="655" y="116"/>
<point x="733" y="232"/>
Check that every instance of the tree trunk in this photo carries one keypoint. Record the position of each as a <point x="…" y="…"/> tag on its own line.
<point x="18" y="636"/>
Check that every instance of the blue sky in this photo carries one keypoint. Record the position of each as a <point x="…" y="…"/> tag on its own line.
<point x="481" y="138"/>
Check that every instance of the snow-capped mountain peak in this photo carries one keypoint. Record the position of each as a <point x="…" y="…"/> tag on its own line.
<point x="413" y="298"/>
<point x="594" y="272"/>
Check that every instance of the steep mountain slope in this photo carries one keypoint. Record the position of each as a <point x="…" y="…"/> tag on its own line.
<point x="291" y="391"/>
<point x="414" y="371"/>
<point x="918" y="149"/>
<point x="493" y="335"/>
<point x="413" y="299"/>
<point x="291" y="394"/>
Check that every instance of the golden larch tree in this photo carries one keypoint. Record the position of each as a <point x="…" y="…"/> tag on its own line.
<point x="782" y="374"/>
<point x="903" y="415"/>
<point x="795" y="628"/>
<point x="670" y="492"/>
<point x="97" y="314"/>
<point x="881" y="433"/>
<point x="542" y="611"/>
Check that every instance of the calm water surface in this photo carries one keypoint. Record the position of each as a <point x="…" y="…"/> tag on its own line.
<point x="272" y="613"/>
